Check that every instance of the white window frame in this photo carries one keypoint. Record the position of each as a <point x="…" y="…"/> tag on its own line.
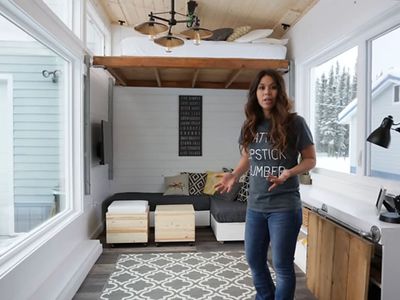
<point x="44" y="29"/>
<point x="7" y="216"/>
<point x="70" y="13"/>
<point x="101" y="25"/>
<point x="75" y="16"/>
<point x="90" y="19"/>
<point x="361" y="38"/>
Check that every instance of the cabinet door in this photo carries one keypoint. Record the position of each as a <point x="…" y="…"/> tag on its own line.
<point x="338" y="261"/>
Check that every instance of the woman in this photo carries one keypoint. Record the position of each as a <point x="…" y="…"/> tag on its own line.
<point x="271" y="140"/>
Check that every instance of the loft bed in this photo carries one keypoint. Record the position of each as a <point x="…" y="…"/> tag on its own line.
<point x="214" y="65"/>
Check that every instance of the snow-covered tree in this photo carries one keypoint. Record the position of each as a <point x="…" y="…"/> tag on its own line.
<point x="333" y="94"/>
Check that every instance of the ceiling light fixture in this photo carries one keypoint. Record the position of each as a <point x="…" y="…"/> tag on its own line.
<point x="169" y="41"/>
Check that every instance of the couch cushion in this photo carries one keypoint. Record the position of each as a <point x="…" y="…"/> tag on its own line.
<point x="232" y="195"/>
<point x="199" y="202"/>
<point x="228" y="211"/>
<point x="126" y="207"/>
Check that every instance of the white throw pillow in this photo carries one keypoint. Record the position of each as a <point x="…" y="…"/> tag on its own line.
<point x="271" y="41"/>
<point x="254" y="35"/>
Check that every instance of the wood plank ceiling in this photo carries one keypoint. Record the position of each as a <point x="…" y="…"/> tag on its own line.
<point x="213" y="14"/>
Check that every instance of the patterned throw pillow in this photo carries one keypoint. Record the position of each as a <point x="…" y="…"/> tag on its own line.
<point x="238" y="32"/>
<point x="197" y="181"/>
<point x="176" y="185"/>
<point x="244" y="190"/>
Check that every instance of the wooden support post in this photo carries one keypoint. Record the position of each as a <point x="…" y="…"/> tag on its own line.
<point x="232" y="77"/>
<point x="196" y="73"/>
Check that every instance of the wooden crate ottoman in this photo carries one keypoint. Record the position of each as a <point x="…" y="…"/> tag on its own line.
<point x="174" y="223"/>
<point x="127" y="222"/>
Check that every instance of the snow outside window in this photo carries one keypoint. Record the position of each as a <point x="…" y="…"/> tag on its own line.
<point x="333" y="112"/>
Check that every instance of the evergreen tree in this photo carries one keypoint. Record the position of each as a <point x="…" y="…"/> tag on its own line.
<point x="333" y="94"/>
<point x="329" y="121"/>
<point x="317" y="113"/>
<point x="354" y="87"/>
<point x="320" y="112"/>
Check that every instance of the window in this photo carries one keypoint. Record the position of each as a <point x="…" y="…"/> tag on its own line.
<point x="384" y="99"/>
<point x="333" y="111"/>
<point x="396" y="94"/>
<point x="34" y="83"/>
<point x="95" y="38"/>
<point x="98" y="36"/>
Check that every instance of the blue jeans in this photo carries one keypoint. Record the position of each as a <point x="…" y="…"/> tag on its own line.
<point x="280" y="229"/>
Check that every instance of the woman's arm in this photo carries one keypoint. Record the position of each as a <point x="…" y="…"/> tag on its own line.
<point x="308" y="161"/>
<point x="228" y="179"/>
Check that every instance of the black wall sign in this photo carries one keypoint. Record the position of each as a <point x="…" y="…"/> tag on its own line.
<point x="190" y="125"/>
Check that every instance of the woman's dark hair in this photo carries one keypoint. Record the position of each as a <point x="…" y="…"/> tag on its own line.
<point x="281" y="115"/>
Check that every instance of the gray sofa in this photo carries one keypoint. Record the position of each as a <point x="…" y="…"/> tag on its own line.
<point x="227" y="218"/>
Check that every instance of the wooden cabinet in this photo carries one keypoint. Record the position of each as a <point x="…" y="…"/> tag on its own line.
<point x="338" y="261"/>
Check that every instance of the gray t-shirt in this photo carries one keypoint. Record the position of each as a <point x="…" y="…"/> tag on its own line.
<point x="265" y="160"/>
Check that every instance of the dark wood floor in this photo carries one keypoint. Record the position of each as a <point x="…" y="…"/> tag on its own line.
<point x="93" y="285"/>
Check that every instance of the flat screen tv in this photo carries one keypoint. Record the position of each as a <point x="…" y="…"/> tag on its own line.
<point x="104" y="146"/>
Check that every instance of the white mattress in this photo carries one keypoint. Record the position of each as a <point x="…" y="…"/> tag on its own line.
<point x="142" y="46"/>
<point x="128" y="206"/>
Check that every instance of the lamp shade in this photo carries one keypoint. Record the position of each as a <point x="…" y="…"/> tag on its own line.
<point x="151" y="28"/>
<point x="203" y="33"/>
<point x="381" y="135"/>
<point x="169" y="41"/>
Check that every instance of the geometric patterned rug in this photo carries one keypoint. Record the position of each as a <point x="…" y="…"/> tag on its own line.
<point x="181" y="276"/>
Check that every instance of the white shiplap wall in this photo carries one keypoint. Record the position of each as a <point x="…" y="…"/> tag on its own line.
<point x="146" y="135"/>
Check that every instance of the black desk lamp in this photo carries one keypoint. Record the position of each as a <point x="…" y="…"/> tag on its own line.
<point x="381" y="137"/>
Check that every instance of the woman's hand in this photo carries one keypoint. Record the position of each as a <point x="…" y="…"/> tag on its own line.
<point x="285" y="175"/>
<point x="226" y="183"/>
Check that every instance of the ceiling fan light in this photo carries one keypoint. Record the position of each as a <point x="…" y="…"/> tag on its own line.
<point x="151" y="28"/>
<point x="169" y="41"/>
<point x="193" y="32"/>
<point x="197" y="39"/>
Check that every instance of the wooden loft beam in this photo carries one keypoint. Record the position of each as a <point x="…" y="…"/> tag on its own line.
<point x="188" y="84"/>
<point x="158" y="78"/>
<point x="196" y="73"/>
<point x="191" y="62"/>
<point x="232" y="77"/>
<point x="121" y="80"/>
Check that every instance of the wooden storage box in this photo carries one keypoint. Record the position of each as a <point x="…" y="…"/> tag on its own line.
<point x="174" y="223"/>
<point x="127" y="224"/>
